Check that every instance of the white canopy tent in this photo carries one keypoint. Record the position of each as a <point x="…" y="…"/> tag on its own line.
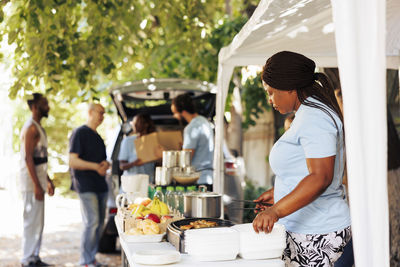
<point x="360" y="37"/>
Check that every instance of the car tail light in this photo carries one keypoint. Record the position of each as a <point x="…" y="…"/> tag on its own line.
<point x="230" y="165"/>
<point x="230" y="168"/>
<point x="112" y="210"/>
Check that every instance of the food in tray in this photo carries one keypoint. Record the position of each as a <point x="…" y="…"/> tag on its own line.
<point x="198" y="224"/>
<point x="186" y="227"/>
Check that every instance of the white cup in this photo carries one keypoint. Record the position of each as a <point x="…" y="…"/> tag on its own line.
<point x="135" y="183"/>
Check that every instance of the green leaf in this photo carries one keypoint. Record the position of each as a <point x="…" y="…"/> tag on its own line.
<point x="12" y="36"/>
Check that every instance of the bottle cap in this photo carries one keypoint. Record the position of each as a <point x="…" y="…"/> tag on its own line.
<point x="191" y="188"/>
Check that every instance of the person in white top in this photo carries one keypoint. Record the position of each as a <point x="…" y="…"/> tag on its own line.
<point x="34" y="180"/>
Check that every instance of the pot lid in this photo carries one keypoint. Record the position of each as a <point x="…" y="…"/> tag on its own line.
<point x="202" y="194"/>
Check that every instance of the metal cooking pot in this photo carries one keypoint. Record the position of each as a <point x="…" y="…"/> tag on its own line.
<point x="202" y="204"/>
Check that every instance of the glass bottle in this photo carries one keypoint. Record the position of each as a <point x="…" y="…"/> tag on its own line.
<point x="179" y="198"/>
<point x="170" y="197"/>
<point x="159" y="194"/>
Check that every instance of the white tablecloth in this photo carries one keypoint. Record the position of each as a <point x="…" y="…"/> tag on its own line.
<point x="187" y="260"/>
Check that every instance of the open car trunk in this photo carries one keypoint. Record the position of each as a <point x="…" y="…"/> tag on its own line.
<point x="154" y="97"/>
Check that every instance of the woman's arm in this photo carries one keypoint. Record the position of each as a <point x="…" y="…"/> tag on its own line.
<point x="267" y="197"/>
<point x="309" y="189"/>
<point x="125" y="165"/>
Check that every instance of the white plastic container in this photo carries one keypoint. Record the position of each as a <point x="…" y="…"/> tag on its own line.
<point x="255" y="246"/>
<point x="212" y="244"/>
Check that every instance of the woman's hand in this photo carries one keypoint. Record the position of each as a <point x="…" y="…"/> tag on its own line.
<point x="267" y="196"/>
<point x="137" y="162"/>
<point x="265" y="220"/>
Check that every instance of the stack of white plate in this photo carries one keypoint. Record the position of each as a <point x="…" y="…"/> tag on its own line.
<point x="156" y="257"/>
<point x="261" y="246"/>
<point x="212" y="244"/>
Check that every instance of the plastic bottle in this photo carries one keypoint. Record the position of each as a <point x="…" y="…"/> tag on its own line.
<point x="170" y="197"/>
<point x="151" y="191"/>
<point x="159" y="194"/>
<point x="179" y="198"/>
<point x="191" y="188"/>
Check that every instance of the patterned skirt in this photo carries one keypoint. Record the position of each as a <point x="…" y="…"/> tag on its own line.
<point x="310" y="250"/>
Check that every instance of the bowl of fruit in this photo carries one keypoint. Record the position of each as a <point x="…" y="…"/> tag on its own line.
<point x="147" y="221"/>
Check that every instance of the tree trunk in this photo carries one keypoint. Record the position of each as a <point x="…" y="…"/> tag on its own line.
<point x="228" y="8"/>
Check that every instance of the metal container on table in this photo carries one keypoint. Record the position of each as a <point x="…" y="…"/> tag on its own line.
<point x="176" y="235"/>
<point x="202" y="204"/>
<point x="176" y="170"/>
<point x="170" y="158"/>
<point x="188" y="170"/>
<point x="163" y="176"/>
<point x="184" y="158"/>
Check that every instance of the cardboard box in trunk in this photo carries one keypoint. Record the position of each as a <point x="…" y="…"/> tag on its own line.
<point x="148" y="146"/>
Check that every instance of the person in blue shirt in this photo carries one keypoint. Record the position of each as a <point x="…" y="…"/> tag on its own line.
<point x="308" y="161"/>
<point x="142" y="124"/>
<point x="198" y="136"/>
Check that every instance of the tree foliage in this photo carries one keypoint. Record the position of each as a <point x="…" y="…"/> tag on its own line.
<point x="70" y="47"/>
<point x="73" y="50"/>
<point x="255" y="101"/>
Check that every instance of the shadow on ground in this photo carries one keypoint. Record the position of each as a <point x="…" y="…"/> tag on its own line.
<point x="61" y="236"/>
<point x="59" y="248"/>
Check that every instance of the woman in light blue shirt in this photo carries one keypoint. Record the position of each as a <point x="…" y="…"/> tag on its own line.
<point x="141" y="124"/>
<point x="308" y="161"/>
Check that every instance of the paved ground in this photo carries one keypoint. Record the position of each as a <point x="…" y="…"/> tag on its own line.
<point x="61" y="236"/>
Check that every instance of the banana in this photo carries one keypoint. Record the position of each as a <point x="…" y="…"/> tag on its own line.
<point x="164" y="208"/>
<point x="136" y="212"/>
<point x="132" y="206"/>
<point x="145" y="212"/>
<point x="155" y="207"/>
<point x="150" y="205"/>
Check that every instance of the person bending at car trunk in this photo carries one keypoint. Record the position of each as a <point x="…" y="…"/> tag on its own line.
<point x="34" y="180"/>
<point x="87" y="159"/>
<point x="198" y="136"/>
<point x="308" y="161"/>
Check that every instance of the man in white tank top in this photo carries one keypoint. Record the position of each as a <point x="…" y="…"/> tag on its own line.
<point x="34" y="180"/>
